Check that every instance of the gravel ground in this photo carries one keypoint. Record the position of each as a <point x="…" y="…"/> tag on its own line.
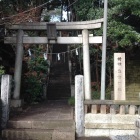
<point x="125" y="137"/>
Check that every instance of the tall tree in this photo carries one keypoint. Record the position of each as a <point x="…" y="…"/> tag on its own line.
<point x="123" y="19"/>
<point x="123" y="30"/>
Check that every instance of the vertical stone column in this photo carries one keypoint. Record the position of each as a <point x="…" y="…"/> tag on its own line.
<point x="119" y="76"/>
<point x="137" y="129"/>
<point x="18" y="70"/>
<point x="79" y="105"/>
<point x="70" y="74"/>
<point x="86" y="64"/>
<point x="5" y="98"/>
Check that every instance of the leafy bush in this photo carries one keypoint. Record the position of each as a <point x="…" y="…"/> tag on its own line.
<point x="96" y="94"/>
<point x="35" y="78"/>
<point x="71" y="101"/>
<point x="2" y="71"/>
<point x="33" y="89"/>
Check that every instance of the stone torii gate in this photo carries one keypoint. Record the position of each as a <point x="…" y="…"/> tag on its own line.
<point x="20" y="39"/>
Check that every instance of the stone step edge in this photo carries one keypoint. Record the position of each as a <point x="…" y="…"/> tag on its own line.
<point x="25" y="133"/>
<point x="94" y="138"/>
<point x="32" y="124"/>
<point x="109" y="126"/>
<point x="36" y="134"/>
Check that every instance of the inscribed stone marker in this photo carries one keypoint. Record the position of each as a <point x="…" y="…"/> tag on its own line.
<point x="119" y="76"/>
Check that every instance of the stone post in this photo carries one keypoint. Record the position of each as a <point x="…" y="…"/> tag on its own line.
<point x="79" y="105"/>
<point x="137" y="129"/>
<point x="5" y="98"/>
<point x="86" y="64"/>
<point x="119" y="76"/>
<point x="18" y="70"/>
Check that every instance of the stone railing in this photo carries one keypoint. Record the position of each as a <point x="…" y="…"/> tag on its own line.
<point x="109" y="117"/>
<point x="104" y="117"/>
<point x="112" y="107"/>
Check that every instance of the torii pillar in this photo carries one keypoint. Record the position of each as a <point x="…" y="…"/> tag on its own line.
<point x="16" y="101"/>
<point x="86" y="64"/>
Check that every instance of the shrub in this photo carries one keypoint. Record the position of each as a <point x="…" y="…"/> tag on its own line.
<point x="95" y="95"/>
<point x="71" y="101"/>
<point x="33" y="90"/>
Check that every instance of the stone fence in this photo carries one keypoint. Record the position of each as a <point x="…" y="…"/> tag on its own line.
<point x="108" y="117"/>
<point x="112" y="107"/>
<point x="103" y="117"/>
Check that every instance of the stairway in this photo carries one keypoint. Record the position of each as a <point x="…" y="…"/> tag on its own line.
<point x="59" y="83"/>
<point x="53" y="121"/>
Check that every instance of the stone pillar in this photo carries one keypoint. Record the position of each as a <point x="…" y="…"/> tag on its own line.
<point x="79" y="105"/>
<point x="137" y="129"/>
<point x="86" y="64"/>
<point x="5" y="98"/>
<point x="18" y="70"/>
<point x="119" y="76"/>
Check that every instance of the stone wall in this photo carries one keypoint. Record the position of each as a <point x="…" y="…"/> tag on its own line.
<point x="133" y="80"/>
<point x="109" y="124"/>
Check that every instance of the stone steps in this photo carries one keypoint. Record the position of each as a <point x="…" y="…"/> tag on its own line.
<point x="39" y="130"/>
<point x="52" y="120"/>
<point x="27" y="134"/>
<point x="48" y="124"/>
<point x="37" y="134"/>
<point x="59" y="82"/>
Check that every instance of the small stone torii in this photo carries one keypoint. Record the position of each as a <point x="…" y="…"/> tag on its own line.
<point x="20" y="39"/>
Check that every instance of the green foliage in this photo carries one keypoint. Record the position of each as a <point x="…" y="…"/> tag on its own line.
<point x="9" y="7"/>
<point x="36" y="77"/>
<point x="38" y="64"/>
<point x="47" y="18"/>
<point x="123" y="31"/>
<point x="71" y="101"/>
<point x="88" y="10"/>
<point x="127" y="5"/>
<point x="123" y="19"/>
<point x="95" y="95"/>
<point x="33" y="89"/>
<point x="2" y="71"/>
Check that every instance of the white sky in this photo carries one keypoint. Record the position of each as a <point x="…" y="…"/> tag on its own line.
<point x="64" y="15"/>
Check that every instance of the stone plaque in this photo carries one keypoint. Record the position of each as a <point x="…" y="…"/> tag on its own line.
<point x="119" y="76"/>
